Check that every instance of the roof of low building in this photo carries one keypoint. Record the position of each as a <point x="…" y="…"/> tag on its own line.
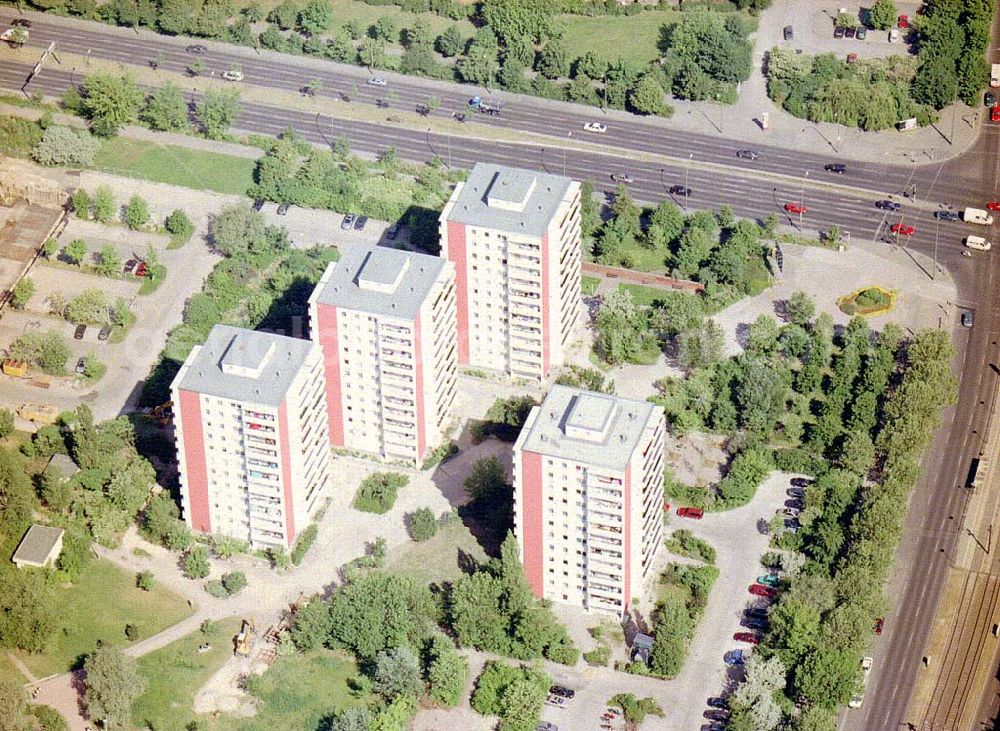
<point x="601" y="429"/>
<point x="63" y="464"/>
<point x="509" y="199"/>
<point x="244" y="365"/>
<point x="379" y="280"/>
<point x="37" y="544"/>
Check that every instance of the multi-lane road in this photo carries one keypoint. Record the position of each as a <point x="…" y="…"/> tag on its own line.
<point x="706" y="163"/>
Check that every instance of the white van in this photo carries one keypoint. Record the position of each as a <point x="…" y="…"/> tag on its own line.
<point x="977" y="215"/>
<point x="978" y="242"/>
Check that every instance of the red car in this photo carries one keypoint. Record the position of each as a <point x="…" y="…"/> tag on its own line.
<point x="796" y="208"/>
<point x="761" y="590"/>
<point x="901" y="230"/>
<point x="995" y="113"/>
<point x="141" y="269"/>
<point x="993" y="205"/>
<point x="695" y="513"/>
<point x="903" y="21"/>
<point x="750" y="637"/>
<point x="879" y="625"/>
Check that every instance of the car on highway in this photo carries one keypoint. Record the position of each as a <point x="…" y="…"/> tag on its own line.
<point x="887" y="205"/>
<point x="348" y="223"/>
<point x="747" y="154"/>
<point x="360" y="222"/>
<point x="734" y="657"/>
<point x="993" y="206"/>
<point x="80" y="331"/>
<point x="768" y="579"/>
<point x="283" y="209"/>
<point x="680" y="191"/>
<point x="197" y="49"/>
<point x="696" y="513"/>
<point x="562" y="691"/>
<point x="788" y="33"/>
<point x="81" y="365"/>
<point x="751" y="637"/>
<point x="622" y="178"/>
<point x="835" y="167"/>
<point x="104" y="333"/>
<point x="861" y="33"/>
<point x="597" y="127"/>
<point x="377" y="81"/>
<point x="902" y="229"/>
<point x="903" y="21"/>
<point x="794" y="207"/>
<point x="232" y="75"/>
<point x="755" y="623"/>
<point x="967" y="319"/>
<point x="989" y="99"/>
<point x="978" y="242"/>
<point x="944" y="215"/>
<point x="838" y="32"/>
<point x="764" y="591"/>
<point x="21" y="23"/>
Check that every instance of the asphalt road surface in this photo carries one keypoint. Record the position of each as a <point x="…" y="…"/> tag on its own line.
<point x="939" y="500"/>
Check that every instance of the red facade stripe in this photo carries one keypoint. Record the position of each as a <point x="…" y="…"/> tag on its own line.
<point x="532" y="517"/>
<point x="457" y="255"/>
<point x="286" y="473"/>
<point x="546" y="305"/>
<point x="195" y="461"/>
<point x="419" y="370"/>
<point x="329" y="342"/>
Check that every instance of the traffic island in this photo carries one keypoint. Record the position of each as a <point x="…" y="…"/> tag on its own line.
<point x="868" y="301"/>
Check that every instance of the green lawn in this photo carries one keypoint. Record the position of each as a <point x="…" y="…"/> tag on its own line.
<point x="8" y="671"/>
<point x="97" y="607"/>
<point x="643" y="295"/>
<point x="436" y="559"/>
<point x="297" y="692"/>
<point x="175" y="673"/>
<point x="175" y="165"/>
<point x="632" y="37"/>
<point x="589" y="285"/>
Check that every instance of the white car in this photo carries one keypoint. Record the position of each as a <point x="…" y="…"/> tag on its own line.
<point x="232" y="75"/>
<point x="377" y="81"/>
<point x="597" y="127"/>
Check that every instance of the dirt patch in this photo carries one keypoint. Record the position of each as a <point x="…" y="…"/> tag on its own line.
<point x="697" y="459"/>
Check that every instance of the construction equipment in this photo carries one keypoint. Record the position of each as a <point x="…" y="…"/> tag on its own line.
<point x="243" y="642"/>
<point x="15" y="368"/>
<point x="38" y="413"/>
<point x="485" y="106"/>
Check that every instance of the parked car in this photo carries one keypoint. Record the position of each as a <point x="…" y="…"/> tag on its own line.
<point x="943" y="215"/>
<point x="748" y="154"/>
<point x="887" y="205"/>
<point x="696" y="513"/>
<point x="734" y="657"/>
<point x="989" y="99"/>
<point x="680" y="191"/>
<point x="836" y="167"/>
<point x="879" y="625"/>
<point x="801" y="481"/>
<point x="129" y="266"/>
<point x="852" y="58"/>
<point x="750" y="637"/>
<point x="563" y="691"/>
<point x="791" y="525"/>
<point x="768" y="580"/>
<point x="142" y="269"/>
<point x="377" y="81"/>
<point x="197" y="49"/>
<point x="764" y="591"/>
<point x="716" y="714"/>
<point x="258" y="204"/>
<point x="788" y="33"/>
<point x="790" y="513"/>
<point x="81" y="365"/>
<point x="348" y="223"/>
<point x="795" y="492"/>
<point x="104" y="333"/>
<point x="392" y="232"/>
<point x="755" y="623"/>
<point x="622" y="178"/>
<point x="360" y="222"/>
<point x="861" y="33"/>
<point x="995" y="113"/>
<point x="718" y="702"/>
<point x="80" y="331"/>
<point x="849" y="32"/>
<point x="993" y="205"/>
<point x="838" y="32"/>
<point x="598" y="127"/>
<point x="794" y="207"/>
<point x="893" y="35"/>
<point x="546" y="726"/>
<point x="967" y="319"/>
<point x="283" y="209"/>
<point x="759" y="612"/>
<point x="901" y="229"/>
<point x="554" y="700"/>
<point x="903" y="21"/>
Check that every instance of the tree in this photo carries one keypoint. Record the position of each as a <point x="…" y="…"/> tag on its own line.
<point x="635" y="709"/>
<point x="166" y="110"/>
<point x="196" y="565"/>
<point x="763" y="678"/>
<point x="355" y="718"/>
<point x="397" y="673"/>
<point x="75" y="251"/>
<point x="312" y="625"/>
<point x="700" y="346"/>
<point x="479" y="65"/>
<point x="65" y="146"/>
<point x="109" y="262"/>
<point x="591" y="65"/>
<point x="423" y="524"/>
<point x="648" y="97"/>
<point x="136" y="212"/>
<point x="22" y="293"/>
<point x="621" y="328"/>
<point x="285" y="14"/>
<point x="47" y="351"/>
<point x="90" y="306"/>
<point x="446" y="671"/>
<point x="179" y="224"/>
<point x="316" y="16"/>
<point x="113" y="684"/>
<point x="145" y="580"/>
<point x="486" y="481"/>
<point x="13" y="704"/>
<point x="217" y="112"/>
<point x="800" y="308"/>
<point x="882" y="14"/>
<point x="104" y="204"/>
<point x="665" y="225"/>
<point x="384" y="29"/>
<point x="816" y="718"/>
<point x="696" y="245"/>
<point x="762" y="335"/>
<point x="450" y="42"/>
<point x="553" y="61"/>
<point x="239" y="229"/>
<point x="672" y="629"/>
<point x="234" y="582"/>
<point x="511" y="19"/>
<point x="516" y="694"/>
<point x="6" y="423"/>
<point x="110" y="102"/>
<point x="827" y="677"/>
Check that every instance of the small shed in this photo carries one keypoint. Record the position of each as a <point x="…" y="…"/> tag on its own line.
<point x="642" y="648"/>
<point x="62" y="465"/>
<point x="40" y="547"/>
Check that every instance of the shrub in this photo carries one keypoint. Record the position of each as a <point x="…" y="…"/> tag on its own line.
<point x="136" y="212"/>
<point x="104" y="204"/>
<point x="64" y="146"/>
<point x="23" y="291"/>
<point x="599" y="656"/>
<point x="234" y="582"/>
<point x="180" y="227"/>
<point x="684" y="543"/>
<point x="145" y="581"/>
<point x="377" y="493"/>
<point x="303" y="544"/>
<point x="81" y="204"/>
<point x="216" y="589"/>
<point x="45" y="350"/>
<point x="6" y="423"/>
<point x="196" y="565"/>
<point x="423" y="524"/>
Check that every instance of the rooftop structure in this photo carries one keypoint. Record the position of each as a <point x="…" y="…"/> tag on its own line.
<point x="40" y="547"/>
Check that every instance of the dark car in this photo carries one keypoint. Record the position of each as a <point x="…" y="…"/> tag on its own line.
<point x="716" y="714"/>
<point x="80" y="331"/>
<point x="848" y="32"/>
<point x="836" y="167"/>
<point x="759" y="612"/>
<point x="129" y="266"/>
<point x="748" y="154"/>
<point x="104" y="333"/>
<point x="680" y="190"/>
<point x="348" y="223"/>
<point x="81" y="365"/>
<point x="562" y="691"/>
<point x="794" y="503"/>
<point x="755" y="623"/>
<point x="967" y="319"/>
<point x="838" y="32"/>
<point x="989" y="99"/>
<point x="359" y="224"/>
<point x="392" y="232"/>
<point x="795" y="492"/>
<point x="801" y="481"/>
<point x="788" y="33"/>
<point x="944" y="215"/>
<point x="861" y="33"/>
<point x="887" y="205"/>
<point x="718" y="702"/>
<point x="21" y="23"/>
<point x="546" y="726"/>
<point x="197" y="49"/>
<point x="283" y="208"/>
<point x="258" y="204"/>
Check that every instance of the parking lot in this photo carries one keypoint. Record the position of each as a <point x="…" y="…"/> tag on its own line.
<point x="311" y="226"/>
